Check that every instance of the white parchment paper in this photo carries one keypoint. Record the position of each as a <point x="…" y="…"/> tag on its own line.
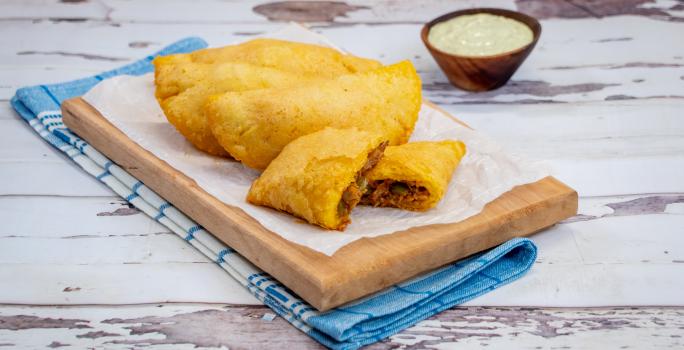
<point x="486" y="172"/>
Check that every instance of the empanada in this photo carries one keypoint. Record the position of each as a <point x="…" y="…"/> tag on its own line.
<point x="185" y="110"/>
<point x="305" y="59"/>
<point x="413" y="176"/>
<point x="254" y="126"/>
<point x="315" y="176"/>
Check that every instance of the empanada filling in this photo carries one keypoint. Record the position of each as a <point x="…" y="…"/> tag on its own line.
<point x="353" y="193"/>
<point x="393" y="193"/>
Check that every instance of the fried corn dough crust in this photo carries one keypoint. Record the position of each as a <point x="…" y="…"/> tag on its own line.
<point x="413" y="176"/>
<point x="305" y="59"/>
<point x="312" y="173"/>
<point x="186" y="109"/>
<point x="254" y="126"/>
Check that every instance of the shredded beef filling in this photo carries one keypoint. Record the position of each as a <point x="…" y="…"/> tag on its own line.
<point x="352" y="195"/>
<point x="391" y="193"/>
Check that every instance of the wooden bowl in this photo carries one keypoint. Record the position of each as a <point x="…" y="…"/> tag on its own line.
<point x="482" y="73"/>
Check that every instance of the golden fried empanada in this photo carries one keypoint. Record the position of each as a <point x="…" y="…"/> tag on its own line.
<point x="413" y="176"/>
<point x="254" y="126"/>
<point x="317" y="61"/>
<point x="315" y="176"/>
<point x="185" y="110"/>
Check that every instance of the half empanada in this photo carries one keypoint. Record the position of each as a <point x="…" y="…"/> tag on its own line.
<point x="254" y="126"/>
<point x="315" y="176"/>
<point x="413" y="176"/>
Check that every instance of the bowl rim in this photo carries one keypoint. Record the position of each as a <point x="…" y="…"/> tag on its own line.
<point x="535" y="27"/>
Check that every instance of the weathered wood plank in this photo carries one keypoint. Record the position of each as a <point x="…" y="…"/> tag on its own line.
<point x="328" y="12"/>
<point x="48" y="178"/>
<point x="588" y="145"/>
<point x="182" y="326"/>
<point x="634" y="145"/>
<point x="106" y="284"/>
<point x="619" y="328"/>
<point x="6" y="111"/>
<point x="605" y="241"/>
<point x="21" y="143"/>
<point x="15" y="76"/>
<point x="604" y="177"/>
<point x="30" y="166"/>
<point x="112" y="216"/>
<point x="582" y="131"/>
<point x="237" y="11"/>
<point x="621" y="245"/>
<point x="548" y="284"/>
<point x="73" y="217"/>
<point x="104" y="46"/>
<point x="53" y="9"/>
<point x="132" y="249"/>
<point x="613" y="70"/>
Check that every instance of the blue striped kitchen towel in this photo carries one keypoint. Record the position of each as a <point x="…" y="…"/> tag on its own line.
<point x="347" y="327"/>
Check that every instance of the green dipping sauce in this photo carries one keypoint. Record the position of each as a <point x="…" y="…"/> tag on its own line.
<point x="480" y="34"/>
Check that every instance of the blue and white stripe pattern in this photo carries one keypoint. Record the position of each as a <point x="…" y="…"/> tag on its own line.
<point x="348" y="327"/>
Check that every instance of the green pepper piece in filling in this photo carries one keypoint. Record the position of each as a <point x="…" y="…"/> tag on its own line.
<point x="341" y="209"/>
<point x="362" y="182"/>
<point x="399" y="188"/>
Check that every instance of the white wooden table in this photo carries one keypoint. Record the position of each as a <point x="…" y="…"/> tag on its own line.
<point x="601" y="99"/>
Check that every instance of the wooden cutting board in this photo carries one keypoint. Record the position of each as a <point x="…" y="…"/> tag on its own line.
<point x="356" y="270"/>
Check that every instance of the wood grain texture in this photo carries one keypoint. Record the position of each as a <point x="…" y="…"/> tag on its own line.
<point x="605" y="69"/>
<point x="357" y="269"/>
<point x="196" y="326"/>
<point x="638" y="142"/>
<point x="599" y="243"/>
<point x="29" y="165"/>
<point x="321" y="12"/>
<point x="601" y="94"/>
